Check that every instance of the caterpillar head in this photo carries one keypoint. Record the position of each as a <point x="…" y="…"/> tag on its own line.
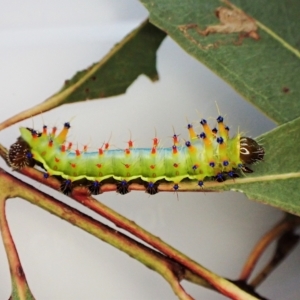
<point x="19" y="154"/>
<point x="250" y="151"/>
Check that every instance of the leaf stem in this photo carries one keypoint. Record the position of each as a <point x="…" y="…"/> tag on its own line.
<point x="20" y="288"/>
<point x="224" y="286"/>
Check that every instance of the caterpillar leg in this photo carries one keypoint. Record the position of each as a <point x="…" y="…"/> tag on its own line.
<point x="246" y="169"/>
<point x="220" y="177"/>
<point x="66" y="187"/>
<point x="95" y="188"/>
<point x="123" y="187"/>
<point x="201" y="183"/>
<point x="176" y="187"/>
<point x="232" y="174"/>
<point x="19" y="155"/>
<point x="151" y="188"/>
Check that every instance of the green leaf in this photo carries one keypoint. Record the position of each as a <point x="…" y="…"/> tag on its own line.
<point x="276" y="181"/>
<point x="266" y="72"/>
<point x="112" y="75"/>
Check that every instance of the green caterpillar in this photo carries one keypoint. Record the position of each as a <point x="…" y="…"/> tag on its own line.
<point x="212" y="154"/>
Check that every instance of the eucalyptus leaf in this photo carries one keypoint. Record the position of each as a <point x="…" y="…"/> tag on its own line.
<point x="276" y="181"/>
<point x="113" y="74"/>
<point x="266" y="72"/>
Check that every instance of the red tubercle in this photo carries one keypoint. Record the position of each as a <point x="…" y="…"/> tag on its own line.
<point x="127" y="166"/>
<point x="152" y="167"/>
<point x="73" y="165"/>
<point x="130" y="144"/>
<point x="45" y="131"/>
<point x="100" y="151"/>
<point x="153" y="150"/>
<point x="34" y="135"/>
<point x="175" y="165"/>
<point x="54" y="129"/>
<point x="175" y="139"/>
<point x="155" y="142"/>
<point x="174" y="149"/>
<point x="85" y="148"/>
<point x="56" y="159"/>
<point x="77" y="152"/>
<point x="127" y="151"/>
<point x="106" y="146"/>
<point x="99" y="166"/>
<point x="50" y="143"/>
<point x="63" y="148"/>
<point x="70" y="146"/>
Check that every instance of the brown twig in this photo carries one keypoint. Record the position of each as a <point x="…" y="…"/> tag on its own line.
<point x="20" y="288"/>
<point x="284" y="226"/>
<point x="285" y="245"/>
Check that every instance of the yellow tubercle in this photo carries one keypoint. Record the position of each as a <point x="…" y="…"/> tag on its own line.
<point x="192" y="149"/>
<point x="223" y="132"/>
<point x="61" y="138"/>
<point x="209" y="134"/>
<point x="192" y="133"/>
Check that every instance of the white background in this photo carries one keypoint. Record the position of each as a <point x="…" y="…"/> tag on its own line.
<point x="42" y="43"/>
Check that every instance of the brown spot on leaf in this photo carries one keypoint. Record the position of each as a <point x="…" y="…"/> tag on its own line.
<point x="285" y="89"/>
<point x="94" y="78"/>
<point x="87" y="90"/>
<point x="232" y="20"/>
